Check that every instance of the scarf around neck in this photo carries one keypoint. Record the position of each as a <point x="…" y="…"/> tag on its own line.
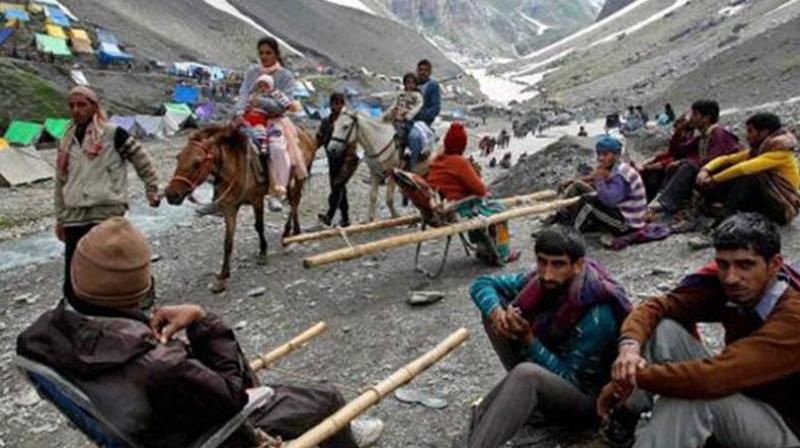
<point x="92" y="141"/>
<point x="593" y="286"/>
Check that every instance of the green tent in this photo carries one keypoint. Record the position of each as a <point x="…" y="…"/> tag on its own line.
<point x="23" y="133"/>
<point x="179" y="108"/>
<point x="53" y="45"/>
<point x="56" y="127"/>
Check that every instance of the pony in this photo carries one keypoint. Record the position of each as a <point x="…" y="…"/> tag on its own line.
<point x="378" y="141"/>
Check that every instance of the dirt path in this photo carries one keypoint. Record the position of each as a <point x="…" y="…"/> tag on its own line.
<point x="371" y="328"/>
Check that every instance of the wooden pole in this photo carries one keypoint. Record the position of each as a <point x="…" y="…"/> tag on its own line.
<point x="298" y="341"/>
<point x="514" y="201"/>
<point x="352" y="252"/>
<point x="333" y="424"/>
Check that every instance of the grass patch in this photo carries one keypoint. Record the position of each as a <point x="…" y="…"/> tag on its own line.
<point x="28" y="97"/>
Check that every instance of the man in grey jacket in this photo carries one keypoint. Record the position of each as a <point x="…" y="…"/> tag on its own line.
<point x="91" y="182"/>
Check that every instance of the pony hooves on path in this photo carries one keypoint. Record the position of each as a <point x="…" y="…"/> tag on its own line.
<point x="262" y="260"/>
<point x="218" y="286"/>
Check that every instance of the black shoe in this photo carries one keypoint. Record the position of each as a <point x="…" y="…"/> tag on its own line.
<point x="344" y="223"/>
<point x="620" y="430"/>
<point x="324" y="218"/>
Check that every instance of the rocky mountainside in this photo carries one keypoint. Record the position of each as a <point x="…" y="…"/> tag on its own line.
<point x="490" y="28"/>
<point x="739" y="51"/>
<point x="612" y="6"/>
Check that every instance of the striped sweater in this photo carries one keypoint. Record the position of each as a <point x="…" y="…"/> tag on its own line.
<point x="624" y="189"/>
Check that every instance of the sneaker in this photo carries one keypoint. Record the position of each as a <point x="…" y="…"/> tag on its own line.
<point x="325" y="219"/>
<point x="274" y="204"/>
<point x="620" y="430"/>
<point x="366" y="431"/>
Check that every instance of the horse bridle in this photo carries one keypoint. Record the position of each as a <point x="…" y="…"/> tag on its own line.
<point x="346" y="140"/>
<point x="206" y="168"/>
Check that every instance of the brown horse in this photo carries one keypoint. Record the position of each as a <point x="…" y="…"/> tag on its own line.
<point x="224" y="152"/>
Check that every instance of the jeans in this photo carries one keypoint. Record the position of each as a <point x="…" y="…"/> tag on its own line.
<point x="416" y="142"/>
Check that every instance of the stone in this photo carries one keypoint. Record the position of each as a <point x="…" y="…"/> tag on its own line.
<point x="255" y="292"/>
<point x="240" y="325"/>
<point x="295" y="284"/>
<point x="155" y="258"/>
<point x="28" y="398"/>
<point x="425" y="297"/>
<point x="662" y="271"/>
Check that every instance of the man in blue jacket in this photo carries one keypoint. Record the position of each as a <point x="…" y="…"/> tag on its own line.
<point x="432" y="105"/>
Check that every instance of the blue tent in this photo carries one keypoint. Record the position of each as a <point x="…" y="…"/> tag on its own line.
<point x="106" y="37"/>
<point x="16" y="14"/>
<point x="57" y="17"/>
<point x="373" y="111"/>
<point x="300" y="91"/>
<point x="186" y="94"/>
<point x="108" y="54"/>
<point x="5" y="33"/>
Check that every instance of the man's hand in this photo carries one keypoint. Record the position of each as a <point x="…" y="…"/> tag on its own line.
<point x="499" y="324"/>
<point x="704" y="179"/>
<point x="153" y="199"/>
<point x="59" y="230"/>
<point x="519" y="326"/>
<point x="612" y="395"/>
<point x="628" y="362"/>
<point x="169" y="320"/>
<point x="601" y="172"/>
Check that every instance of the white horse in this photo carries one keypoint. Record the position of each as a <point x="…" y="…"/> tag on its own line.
<point x="377" y="139"/>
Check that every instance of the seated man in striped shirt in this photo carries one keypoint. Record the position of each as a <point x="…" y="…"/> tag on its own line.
<point x="613" y="197"/>
<point x="555" y="331"/>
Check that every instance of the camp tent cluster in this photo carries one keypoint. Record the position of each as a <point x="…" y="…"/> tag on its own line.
<point x="174" y="119"/>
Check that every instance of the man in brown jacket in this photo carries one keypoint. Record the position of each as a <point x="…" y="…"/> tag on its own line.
<point x="160" y="391"/>
<point x="91" y="182"/>
<point x="747" y="396"/>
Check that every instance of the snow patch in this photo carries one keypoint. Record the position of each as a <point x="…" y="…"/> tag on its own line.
<point x="785" y="5"/>
<point x="226" y="7"/>
<point x="502" y="90"/>
<point x="540" y="27"/>
<point x="632" y="29"/>
<point x="770" y="105"/>
<point x="729" y="11"/>
<point x="353" y="4"/>
<point x="533" y="67"/>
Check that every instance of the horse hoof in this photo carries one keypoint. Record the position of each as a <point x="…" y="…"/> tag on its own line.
<point x="218" y="286"/>
<point x="261" y="260"/>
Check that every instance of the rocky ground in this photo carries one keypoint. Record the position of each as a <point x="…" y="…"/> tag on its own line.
<point x="372" y="329"/>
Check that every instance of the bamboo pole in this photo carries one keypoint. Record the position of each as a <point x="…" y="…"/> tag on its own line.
<point x="352" y="252"/>
<point x="264" y="361"/>
<point x="513" y="201"/>
<point x="333" y="424"/>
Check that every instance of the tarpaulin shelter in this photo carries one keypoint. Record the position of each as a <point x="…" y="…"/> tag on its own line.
<point x="81" y="42"/>
<point x="152" y="126"/>
<point x="7" y="6"/>
<point x="300" y="91"/>
<point x="56" y="127"/>
<point x="106" y="37"/>
<point x="110" y="53"/>
<point x="23" y="133"/>
<point x="16" y="14"/>
<point x="5" y="34"/>
<point x="373" y="111"/>
<point x="55" y="31"/>
<point x="23" y="166"/>
<point x="56" y="16"/>
<point x="52" y="45"/>
<point x="206" y="111"/>
<point x="59" y="5"/>
<point x="129" y="124"/>
<point x="175" y="115"/>
<point x="186" y="94"/>
<point x="3" y="144"/>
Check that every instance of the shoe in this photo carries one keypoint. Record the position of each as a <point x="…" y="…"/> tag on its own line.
<point x="344" y="223"/>
<point x="274" y="204"/>
<point x="620" y="430"/>
<point x="325" y="219"/>
<point x="366" y="431"/>
<point x="210" y="209"/>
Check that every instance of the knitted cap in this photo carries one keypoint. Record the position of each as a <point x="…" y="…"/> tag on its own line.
<point x="608" y="143"/>
<point x="267" y="79"/>
<point x="455" y="142"/>
<point x="111" y="266"/>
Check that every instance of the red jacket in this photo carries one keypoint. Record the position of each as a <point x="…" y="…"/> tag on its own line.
<point x="455" y="178"/>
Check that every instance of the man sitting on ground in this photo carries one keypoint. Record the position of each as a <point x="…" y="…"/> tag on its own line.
<point x="715" y="141"/>
<point x="763" y="179"/>
<point x="160" y="391"/>
<point x="615" y="201"/>
<point x="683" y="147"/>
<point x="555" y="331"/>
<point x="747" y="395"/>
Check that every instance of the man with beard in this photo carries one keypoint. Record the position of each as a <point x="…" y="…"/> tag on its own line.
<point x="555" y="332"/>
<point x="745" y="396"/>
<point x="432" y="104"/>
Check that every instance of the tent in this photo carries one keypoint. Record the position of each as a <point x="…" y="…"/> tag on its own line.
<point x="129" y="124"/>
<point x="300" y="91"/>
<point x="23" y="133"/>
<point x="175" y="116"/>
<point x="56" y="127"/>
<point x="5" y="33"/>
<point x="3" y="144"/>
<point x="152" y="126"/>
<point x="178" y="108"/>
<point x="17" y="14"/>
<point x="373" y="111"/>
<point x="55" y="31"/>
<point x="52" y="45"/>
<point x="23" y="166"/>
<point x="78" y="78"/>
<point x="106" y="37"/>
<point x="186" y="94"/>
<point x="7" y="6"/>
<point x="81" y="42"/>
<point x="59" y="5"/>
<point x="56" y="16"/>
<point x="110" y="53"/>
<point x="206" y="111"/>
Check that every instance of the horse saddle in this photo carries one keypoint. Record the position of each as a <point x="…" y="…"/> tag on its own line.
<point x="258" y="163"/>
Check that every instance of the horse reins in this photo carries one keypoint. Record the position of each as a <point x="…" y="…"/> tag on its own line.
<point x="345" y="141"/>
<point x="206" y="168"/>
